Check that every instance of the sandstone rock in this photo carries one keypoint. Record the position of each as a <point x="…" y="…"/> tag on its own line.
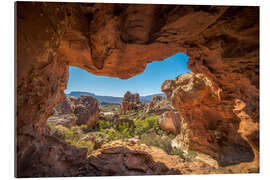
<point x="130" y="102"/>
<point x="65" y="107"/>
<point x="123" y="161"/>
<point x="209" y="124"/>
<point x="72" y="111"/>
<point x="67" y="120"/>
<point x="87" y="110"/>
<point x="118" y="40"/>
<point x="158" y="105"/>
<point x="109" y="116"/>
<point x="170" y="121"/>
<point x="52" y="158"/>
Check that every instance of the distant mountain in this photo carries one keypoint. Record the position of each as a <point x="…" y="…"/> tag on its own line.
<point x="111" y="99"/>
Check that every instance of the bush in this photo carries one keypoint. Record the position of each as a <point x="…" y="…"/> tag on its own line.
<point x="104" y="124"/>
<point x="85" y="128"/>
<point x="178" y="152"/>
<point x="191" y="154"/>
<point x="150" y="122"/>
<point x="186" y="156"/>
<point x="125" y="130"/>
<point x="151" y="139"/>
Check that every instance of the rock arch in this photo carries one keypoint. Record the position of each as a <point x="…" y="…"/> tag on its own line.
<point x="118" y="40"/>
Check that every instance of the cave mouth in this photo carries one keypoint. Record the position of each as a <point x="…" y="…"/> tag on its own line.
<point x="110" y="103"/>
<point x="96" y="115"/>
<point x="43" y="73"/>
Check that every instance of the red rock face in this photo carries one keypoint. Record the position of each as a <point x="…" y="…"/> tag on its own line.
<point x="170" y="122"/>
<point x="130" y="102"/>
<point x="118" y="40"/>
<point x="209" y="123"/>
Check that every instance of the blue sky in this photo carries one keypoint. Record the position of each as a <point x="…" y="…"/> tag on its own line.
<point x="146" y="83"/>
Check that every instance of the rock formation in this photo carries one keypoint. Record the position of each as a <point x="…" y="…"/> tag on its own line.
<point x="108" y="116"/>
<point x="67" y="120"/>
<point x="87" y="110"/>
<point x="130" y="102"/>
<point x="209" y="124"/>
<point x="158" y="105"/>
<point x="76" y="111"/>
<point x="65" y="107"/>
<point x="170" y="121"/>
<point x="54" y="158"/>
<point x="129" y="162"/>
<point x="118" y="40"/>
<point x="202" y="164"/>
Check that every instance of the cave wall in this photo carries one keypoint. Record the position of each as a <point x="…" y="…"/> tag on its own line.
<point x="118" y="40"/>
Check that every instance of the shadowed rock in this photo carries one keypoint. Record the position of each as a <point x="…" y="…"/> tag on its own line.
<point x="118" y="40"/>
<point x="121" y="161"/>
<point x="209" y="124"/>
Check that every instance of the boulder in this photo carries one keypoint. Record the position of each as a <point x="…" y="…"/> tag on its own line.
<point x="170" y="121"/>
<point x="76" y="111"/>
<point x="87" y="110"/>
<point x="119" y="161"/>
<point x="158" y="105"/>
<point x="65" y="107"/>
<point x="108" y="116"/>
<point x="67" y="120"/>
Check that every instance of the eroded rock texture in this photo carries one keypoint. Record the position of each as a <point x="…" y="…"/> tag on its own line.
<point x="76" y="111"/>
<point x="170" y="121"/>
<point x="120" y="161"/>
<point x="130" y="102"/>
<point x="210" y="124"/>
<point x="87" y="110"/>
<point x="118" y="40"/>
<point x="158" y="105"/>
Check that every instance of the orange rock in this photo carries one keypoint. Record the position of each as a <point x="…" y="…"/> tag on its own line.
<point x="130" y="102"/>
<point x="209" y="124"/>
<point x="170" y="122"/>
<point x="118" y="40"/>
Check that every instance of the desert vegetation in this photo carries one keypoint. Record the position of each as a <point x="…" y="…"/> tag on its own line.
<point x="136" y="125"/>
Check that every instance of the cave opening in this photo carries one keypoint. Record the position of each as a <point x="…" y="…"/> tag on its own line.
<point x="109" y="108"/>
<point x="205" y="97"/>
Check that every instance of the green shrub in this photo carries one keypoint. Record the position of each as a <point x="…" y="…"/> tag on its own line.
<point x="70" y="133"/>
<point x="192" y="154"/>
<point x="85" y="128"/>
<point x="160" y="132"/>
<point x="150" y="122"/>
<point x="186" y="156"/>
<point x="104" y="124"/>
<point x="178" y="152"/>
<point x="151" y="139"/>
